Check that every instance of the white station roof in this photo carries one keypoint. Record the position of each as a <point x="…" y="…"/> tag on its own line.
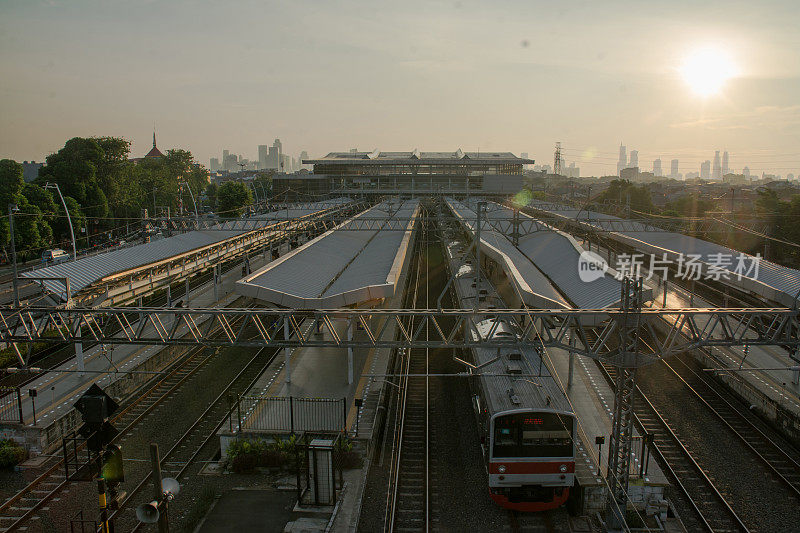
<point x="534" y="287"/>
<point x="774" y="282"/>
<point x="557" y="255"/>
<point x="88" y="270"/>
<point x="345" y="266"/>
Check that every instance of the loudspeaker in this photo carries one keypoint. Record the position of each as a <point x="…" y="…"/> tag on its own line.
<point x="148" y="512"/>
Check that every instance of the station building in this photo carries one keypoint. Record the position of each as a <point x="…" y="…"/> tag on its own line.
<point x="453" y="173"/>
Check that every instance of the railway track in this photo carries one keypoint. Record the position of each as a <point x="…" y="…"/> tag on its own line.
<point x="21" y="507"/>
<point x="409" y="496"/>
<point x="740" y="421"/>
<point x="201" y="435"/>
<point x="27" y="502"/>
<point x="713" y="510"/>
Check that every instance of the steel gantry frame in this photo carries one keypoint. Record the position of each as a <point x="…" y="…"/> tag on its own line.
<point x="687" y="328"/>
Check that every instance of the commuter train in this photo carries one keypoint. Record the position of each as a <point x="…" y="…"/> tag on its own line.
<point x="526" y="424"/>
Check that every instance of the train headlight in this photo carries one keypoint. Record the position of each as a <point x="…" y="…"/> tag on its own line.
<point x="563" y="468"/>
<point x="501" y="469"/>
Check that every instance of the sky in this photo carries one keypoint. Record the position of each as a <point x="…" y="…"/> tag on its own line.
<point x="329" y="76"/>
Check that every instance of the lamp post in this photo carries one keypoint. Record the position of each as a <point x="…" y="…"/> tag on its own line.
<point x="49" y="185"/>
<point x="12" y="208"/>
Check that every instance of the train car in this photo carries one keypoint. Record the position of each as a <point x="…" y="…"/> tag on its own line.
<point x="526" y="423"/>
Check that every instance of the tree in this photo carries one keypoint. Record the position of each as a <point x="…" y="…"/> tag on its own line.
<point x="232" y="197"/>
<point x="624" y="193"/>
<point x="11" y="184"/>
<point x="211" y="195"/>
<point x="81" y="166"/>
<point x="689" y="206"/>
<point x="33" y="233"/>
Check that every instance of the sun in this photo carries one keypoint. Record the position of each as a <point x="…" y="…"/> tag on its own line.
<point x="705" y="70"/>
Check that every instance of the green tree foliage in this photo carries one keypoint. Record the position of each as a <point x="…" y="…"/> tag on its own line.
<point x="32" y="232"/>
<point x="689" y="206"/>
<point x="621" y="192"/>
<point x="11" y="184"/>
<point x="79" y="168"/>
<point x="211" y="195"/>
<point x="232" y="197"/>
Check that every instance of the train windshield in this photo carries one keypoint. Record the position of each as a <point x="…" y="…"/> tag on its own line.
<point x="533" y="435"/>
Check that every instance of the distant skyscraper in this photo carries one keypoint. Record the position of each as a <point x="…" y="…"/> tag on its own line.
<point x="717" y="173"/>
<point x="673" y="169"/>
<point x="214" y="166"/>
<point x="262" y="156"/>
<point x="746" y="172"/>
<point x="634" y="162"/>
<point x="705" y="169"/>
<point x="225" y="154"/>
<point x="273" y="158"/>
<point x="303" y="157"/>
<point x="657" y="168"/>
<point x="622" y="162"/>
<point x="725" y="169"/>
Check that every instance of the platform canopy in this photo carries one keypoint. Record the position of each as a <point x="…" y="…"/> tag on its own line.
<point x="346" y="266"/>
<point x="91" y="269"/>
<point x="774" y="282"/>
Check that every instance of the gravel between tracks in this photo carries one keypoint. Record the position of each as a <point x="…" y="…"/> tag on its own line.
<point x="763" y="503"/>
<point x="164" y="425"/>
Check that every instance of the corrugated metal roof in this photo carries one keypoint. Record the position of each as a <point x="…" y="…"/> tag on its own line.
<point x="541" y="391"/>
<point x="377" y="157"/>
<point x="343" y="267"/>
<point x="556" y="255"/>
<point x="527" y="278"/>
<point x="775" y="282"/>
<point x="88" y="270"/>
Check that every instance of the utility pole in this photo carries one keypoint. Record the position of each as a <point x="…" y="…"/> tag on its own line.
<point x="557" y="160"/>
<point x="12" y="208"/>
<point x="158" y="490"/>
<point x="480" y="211"/>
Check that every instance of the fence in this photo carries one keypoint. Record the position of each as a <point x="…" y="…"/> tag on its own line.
<point x="290" y="414"/>
<point x="11" y="405"/>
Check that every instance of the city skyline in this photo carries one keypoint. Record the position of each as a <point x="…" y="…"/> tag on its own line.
<point x="115" y="69"/>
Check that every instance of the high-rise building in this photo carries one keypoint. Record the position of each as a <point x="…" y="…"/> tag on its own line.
<point x="746" y="172"/>
<point x="273" y="158"/>
<point x="622" y="162"/>
<point x="657" y="172"/>
<point x="634" y="162"/>
<point x="717" y="172"/>
<point x="214" y="166"/>
<point x="705" y="169"/>
<point x="673" y="169"/>
<point x="725" y="169"/>
<point x="225" y="154"/>
<point x="262" y="156"/>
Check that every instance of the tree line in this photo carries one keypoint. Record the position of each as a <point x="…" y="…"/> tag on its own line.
<point x="106" y="194"/>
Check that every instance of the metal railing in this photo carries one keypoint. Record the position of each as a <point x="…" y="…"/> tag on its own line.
<point x="291" y="414"/>
<point x="11" y="405"/>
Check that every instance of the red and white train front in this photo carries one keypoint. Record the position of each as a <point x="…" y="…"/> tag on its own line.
<point x="531" y="458"/>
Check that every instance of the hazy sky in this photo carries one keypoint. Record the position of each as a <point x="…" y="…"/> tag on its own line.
<point x="325" y="76"/>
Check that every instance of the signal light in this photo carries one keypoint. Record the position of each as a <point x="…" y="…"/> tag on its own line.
<point x="112" y="469"/>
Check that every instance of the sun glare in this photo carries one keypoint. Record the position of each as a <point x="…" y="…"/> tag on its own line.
<point x="706" y="70"/>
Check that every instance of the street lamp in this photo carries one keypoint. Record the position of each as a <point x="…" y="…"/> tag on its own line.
<point x="49" y="185"/>
<point x="12" y="208"/>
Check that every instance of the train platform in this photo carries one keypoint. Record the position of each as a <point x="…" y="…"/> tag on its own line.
<point x="118" y="369"/>
<point x="593" y="401"/>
